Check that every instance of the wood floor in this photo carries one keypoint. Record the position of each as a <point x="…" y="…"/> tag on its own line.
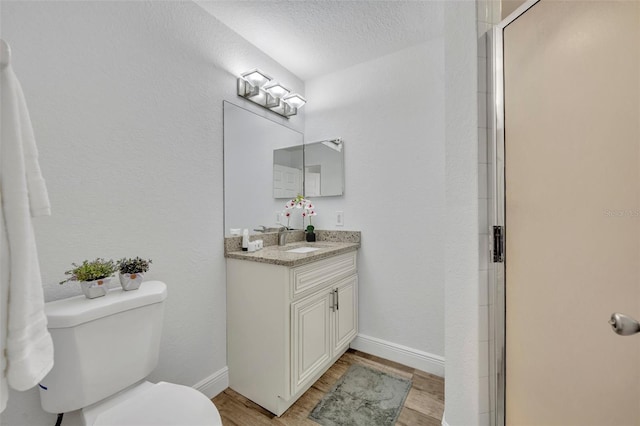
<point x="424" y="404"/>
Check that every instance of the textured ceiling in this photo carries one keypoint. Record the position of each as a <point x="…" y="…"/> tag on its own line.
<point x="313" y="37"/>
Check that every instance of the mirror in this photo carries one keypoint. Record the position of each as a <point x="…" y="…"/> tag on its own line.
<point x="287" y="172"/>
<point x="324" y="168"/>
<point x="323" y="165"/>
<point x="249" y="144"/>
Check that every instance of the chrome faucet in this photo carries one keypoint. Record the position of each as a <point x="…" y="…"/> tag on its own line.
<point x="282" y="235"/>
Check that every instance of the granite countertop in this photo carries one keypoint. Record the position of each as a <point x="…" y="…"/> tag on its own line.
<point x="329" y="243"/>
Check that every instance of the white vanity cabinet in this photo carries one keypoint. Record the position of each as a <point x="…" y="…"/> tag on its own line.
<point x="323" y="325"/>
<point x="287" y="325"/>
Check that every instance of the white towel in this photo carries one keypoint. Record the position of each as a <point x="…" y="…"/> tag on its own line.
<point x="26" y="354"/>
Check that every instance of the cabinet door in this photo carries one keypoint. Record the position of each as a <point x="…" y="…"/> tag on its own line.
<point x="346" y="314"/>
<point x="311" y="337"/>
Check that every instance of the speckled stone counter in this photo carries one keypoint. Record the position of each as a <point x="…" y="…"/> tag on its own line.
<point x="329" y="243"/>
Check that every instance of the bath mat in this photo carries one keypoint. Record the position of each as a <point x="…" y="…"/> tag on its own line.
<point x="362" y="397"/>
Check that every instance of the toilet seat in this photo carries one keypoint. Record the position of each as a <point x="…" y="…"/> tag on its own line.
<point x="162" y="404"/>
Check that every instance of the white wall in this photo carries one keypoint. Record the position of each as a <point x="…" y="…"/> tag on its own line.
<point x="390" y="114"/>
<point x="462" y="192"/>
<point x="126" y="102"/>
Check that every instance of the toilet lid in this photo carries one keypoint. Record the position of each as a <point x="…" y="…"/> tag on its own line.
<point x="163" y="404"/>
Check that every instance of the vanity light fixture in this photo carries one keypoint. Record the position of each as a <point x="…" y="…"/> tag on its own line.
<point x="256" y="77"/>
<point x="295" y="100"/>
<point x="259" y="88"/>
<point x="335" y="144"/>
<point x="277" y="90"/>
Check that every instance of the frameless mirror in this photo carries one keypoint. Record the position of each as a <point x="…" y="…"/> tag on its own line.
<point x="266" y="162"/>
<point x="249" y="144"/>
<point x="324" y="168"/>
<point x="287" y="171"/>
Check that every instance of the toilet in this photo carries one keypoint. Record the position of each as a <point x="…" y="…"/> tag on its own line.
<point x="103" y="350"/>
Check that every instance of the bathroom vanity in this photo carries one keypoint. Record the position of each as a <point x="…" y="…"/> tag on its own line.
<point x="290" y="316"/>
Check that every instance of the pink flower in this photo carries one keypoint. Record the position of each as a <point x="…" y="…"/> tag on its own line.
<point x="300" y="203"/>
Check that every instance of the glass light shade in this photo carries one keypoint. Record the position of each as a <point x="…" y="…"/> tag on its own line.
<point x="335" y="144"/>
<point x="284" y="109"/>
<point x="270" y="101"/>
<point x="295" y="100"/>
<point x="288" y="110"/>
<point x="277" y="90"/>
<point x="246" y="89"/>
<point x="256" y="77"/>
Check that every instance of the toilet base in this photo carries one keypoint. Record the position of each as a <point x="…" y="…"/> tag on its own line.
<point x="146" y="403"/>
<point x="89" y="414"/>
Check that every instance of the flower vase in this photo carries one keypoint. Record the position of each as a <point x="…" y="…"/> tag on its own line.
<point x="95" y="288"/>
<point x="311" y="237"/>
<point x="131" y="281"/>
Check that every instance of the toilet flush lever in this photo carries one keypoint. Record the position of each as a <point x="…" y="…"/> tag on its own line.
<point x="624" y="325"/>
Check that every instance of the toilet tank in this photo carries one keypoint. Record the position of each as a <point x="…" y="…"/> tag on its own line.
<point x="101" y="345"/>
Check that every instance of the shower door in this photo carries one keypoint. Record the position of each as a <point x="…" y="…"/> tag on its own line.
<point x="572" y="212"/>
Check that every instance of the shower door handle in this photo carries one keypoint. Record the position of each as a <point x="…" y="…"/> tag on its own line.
<point x="624" y="325"/>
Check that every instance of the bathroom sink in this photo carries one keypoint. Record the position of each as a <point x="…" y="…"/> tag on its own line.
<point x="302" y="250"/>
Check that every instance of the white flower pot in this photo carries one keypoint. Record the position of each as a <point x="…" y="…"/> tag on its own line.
<point x="131" y="281"/>
<point x="95" y="288"/>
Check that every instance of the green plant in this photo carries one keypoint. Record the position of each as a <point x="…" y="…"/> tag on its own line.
<point x="133" y="265"/>
<point x="90" y="271"/>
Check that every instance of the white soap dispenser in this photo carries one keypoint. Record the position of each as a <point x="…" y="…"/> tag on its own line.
<point x="245" y="240"/>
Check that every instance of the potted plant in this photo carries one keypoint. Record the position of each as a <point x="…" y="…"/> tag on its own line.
<point x="307" y="210"/>
<point x="310" y="235"/>
<point x="93" y="276"/>
<point x="132" y="272"/>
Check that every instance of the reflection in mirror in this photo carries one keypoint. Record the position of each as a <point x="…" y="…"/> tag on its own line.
<point x="324" y="168"/>
<point x="287" y="172"/>
<point x="249" y="143"/>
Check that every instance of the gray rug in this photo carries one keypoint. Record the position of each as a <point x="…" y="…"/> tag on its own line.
<point x="362" y="397"/>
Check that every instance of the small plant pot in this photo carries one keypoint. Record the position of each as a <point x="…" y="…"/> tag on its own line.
<point x="311" y="237"/>
<point x="95" y="288"/>
<point x="131" y="281"/>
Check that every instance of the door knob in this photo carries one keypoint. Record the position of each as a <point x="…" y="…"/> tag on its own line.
<point x="624" y="325"/>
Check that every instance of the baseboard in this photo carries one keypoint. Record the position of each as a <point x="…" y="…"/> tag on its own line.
<point x="424" y="361"/>
<point x="214" y="384"/>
